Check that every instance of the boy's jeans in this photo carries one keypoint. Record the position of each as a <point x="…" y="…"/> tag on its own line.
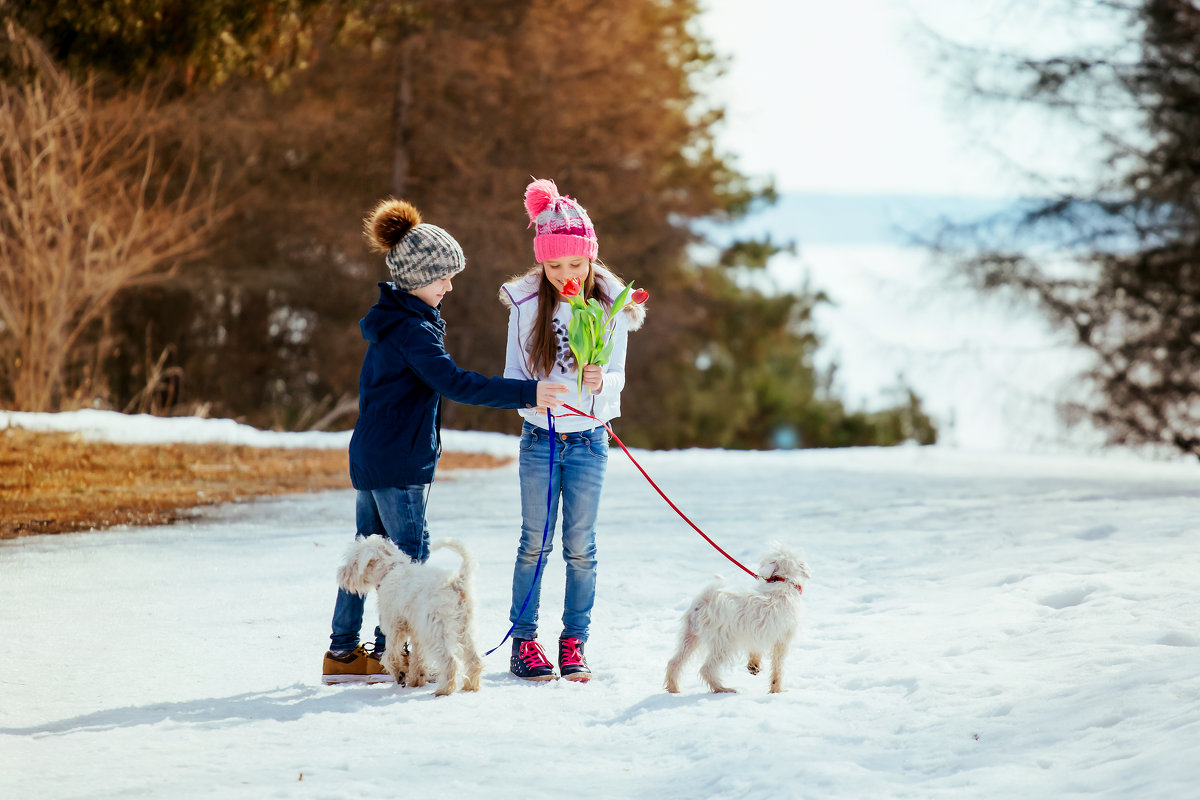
<point x="398" y="513"/>
<point x="579" y="464"/>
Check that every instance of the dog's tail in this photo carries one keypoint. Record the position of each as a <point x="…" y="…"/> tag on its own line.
<point x="466" y="571"/>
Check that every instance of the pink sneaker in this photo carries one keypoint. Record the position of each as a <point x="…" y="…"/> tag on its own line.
<point x="571" y="662"/>
<point x="529" y="661"/>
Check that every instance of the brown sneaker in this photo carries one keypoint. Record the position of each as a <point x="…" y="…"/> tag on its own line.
<point x="352" y="667"/>
<point x="375" y="668"/>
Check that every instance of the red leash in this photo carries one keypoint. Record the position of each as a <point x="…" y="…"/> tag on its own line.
<point x="663" y="495"/>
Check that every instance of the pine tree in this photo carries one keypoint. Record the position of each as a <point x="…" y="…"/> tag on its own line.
<point x="456" y="104"/>
<point x="1123" y="274"/>
<point x="202" y="41"/>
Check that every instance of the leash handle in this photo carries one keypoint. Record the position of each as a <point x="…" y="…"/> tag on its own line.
<point x="662" y="494"/>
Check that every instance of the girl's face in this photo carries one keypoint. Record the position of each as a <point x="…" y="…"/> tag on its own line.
<point x="560" y="270"/>
<point x="432" y="293"/>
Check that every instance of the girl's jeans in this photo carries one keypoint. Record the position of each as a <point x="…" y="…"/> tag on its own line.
<point x="398" y="513"/>
<point x="579" y="464"/>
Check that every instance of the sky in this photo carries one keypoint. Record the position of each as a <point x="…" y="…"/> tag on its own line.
<point x="846" y="97"/>
<point x="982" y="626"/>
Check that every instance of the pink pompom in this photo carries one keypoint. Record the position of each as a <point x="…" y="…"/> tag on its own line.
<point x="538" y="196"/>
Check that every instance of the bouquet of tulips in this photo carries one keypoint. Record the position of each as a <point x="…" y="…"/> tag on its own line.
<point x="590" y="328"/>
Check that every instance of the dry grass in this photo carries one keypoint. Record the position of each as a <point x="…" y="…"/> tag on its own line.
<point x="58" y="482"/>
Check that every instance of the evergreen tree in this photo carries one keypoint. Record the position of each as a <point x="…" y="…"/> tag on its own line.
<point x="455" y="104"/>
<point x="1122" y="272"/>
<point x="203" y="41"/>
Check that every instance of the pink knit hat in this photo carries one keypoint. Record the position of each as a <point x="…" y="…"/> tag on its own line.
<point x="563" y="227"/>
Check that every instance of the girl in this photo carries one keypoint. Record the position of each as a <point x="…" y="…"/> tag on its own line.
<point x="565" y="247"/>
<point x="397" y="439"/>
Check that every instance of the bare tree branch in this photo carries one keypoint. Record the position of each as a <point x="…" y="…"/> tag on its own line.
<point x="87" y="209"/>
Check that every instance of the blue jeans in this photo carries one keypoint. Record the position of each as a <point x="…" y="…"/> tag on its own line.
<point x="580" y="460"/>
<point x="399" y="514"/>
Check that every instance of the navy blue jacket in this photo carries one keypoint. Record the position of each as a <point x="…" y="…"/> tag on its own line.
<point x="396" y="440"/>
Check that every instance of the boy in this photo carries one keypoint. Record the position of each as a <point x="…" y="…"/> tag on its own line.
<point x="397" y="439"/>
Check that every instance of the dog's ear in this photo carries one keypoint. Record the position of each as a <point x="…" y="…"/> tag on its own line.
<point x="803" y="569"/>
<point x="349" y="576"/>
<point x="784" y="562"/>
<point x="354" y="574"/>
<point x="771" y="565"/>
<point x="376" y="567"/>
<point x="793" y="568"/>
<point x="771" y="568"/>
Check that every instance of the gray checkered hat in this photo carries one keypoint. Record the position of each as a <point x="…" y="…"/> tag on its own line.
<point x="423" y="255"/>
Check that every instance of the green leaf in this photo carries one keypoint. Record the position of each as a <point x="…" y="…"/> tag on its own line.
<point x="621" y="301"/>
<point x="598" y="328"/>
<point x="576" y="341"/>
<point x="606" y="353"/>
<point x="579" y="339"/>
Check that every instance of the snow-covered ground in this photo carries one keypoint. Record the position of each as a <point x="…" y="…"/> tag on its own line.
<point x="979" y="625"/>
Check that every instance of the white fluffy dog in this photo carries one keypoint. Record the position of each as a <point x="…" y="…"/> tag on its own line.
<point x="430" y="607"/>
<point x="728" y="623"/>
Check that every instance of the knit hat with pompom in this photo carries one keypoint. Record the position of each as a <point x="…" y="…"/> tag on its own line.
<point x="563" y="227"/>
<point x="417" y="253"/>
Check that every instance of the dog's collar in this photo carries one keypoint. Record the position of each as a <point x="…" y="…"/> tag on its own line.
<point x="780" y="579"/>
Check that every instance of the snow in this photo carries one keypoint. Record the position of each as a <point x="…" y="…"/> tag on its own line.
<point x="980" y="624"/>
<point x="106" y="426"/>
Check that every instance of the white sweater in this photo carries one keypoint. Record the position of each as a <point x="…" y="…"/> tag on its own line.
<point x="522" y="299"/>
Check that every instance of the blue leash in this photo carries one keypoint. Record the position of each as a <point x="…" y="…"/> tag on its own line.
<point x="537" y="572"/>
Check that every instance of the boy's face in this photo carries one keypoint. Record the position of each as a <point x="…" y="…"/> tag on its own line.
<point x="432" y="293"/>
<point x="560" y="270"/>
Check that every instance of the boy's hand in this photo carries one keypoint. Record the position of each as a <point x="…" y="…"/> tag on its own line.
<point x="547" y="395"/>
<point x="593" y="377"/>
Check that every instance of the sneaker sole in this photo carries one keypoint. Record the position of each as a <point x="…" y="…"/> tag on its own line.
<point x="578" y="678"/>
<point x="333" y="680"/>
<point x="537" y="678"/>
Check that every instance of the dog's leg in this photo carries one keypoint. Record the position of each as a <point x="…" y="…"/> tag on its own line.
<point x="778" y="654"/>
<point x="754" y="665"/>
<point x="688" y="642"/>
<point x="719" y="657"/>
<point x="395" y="663"/>
<point x="394" y="659"/>
<point x="472" y="661"/>
<point x="441" y="655"/>
<point x="416" y="663"/>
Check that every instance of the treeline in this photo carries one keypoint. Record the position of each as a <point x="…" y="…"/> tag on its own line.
<point x="271" y="127"/>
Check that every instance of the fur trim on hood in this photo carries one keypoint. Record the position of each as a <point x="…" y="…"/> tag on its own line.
<point x="524" y="287"/>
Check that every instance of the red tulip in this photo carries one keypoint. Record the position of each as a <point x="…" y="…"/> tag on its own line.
<point x="639" y="296"/>
<point x="571" y="288"/>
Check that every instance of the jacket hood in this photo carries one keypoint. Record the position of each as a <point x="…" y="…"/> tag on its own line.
<point x="396" y="307"/>
<point x="522" y="288"/>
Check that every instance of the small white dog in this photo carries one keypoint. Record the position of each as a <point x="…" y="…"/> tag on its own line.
<point x="728" y="623"/>
<point x="432" y="608"/>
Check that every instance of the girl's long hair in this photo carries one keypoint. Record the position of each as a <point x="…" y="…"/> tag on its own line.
<point x="542" y="348"/>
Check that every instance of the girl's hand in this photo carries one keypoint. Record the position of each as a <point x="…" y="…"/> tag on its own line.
<point x="593" y="377"/>
<point x="548" y="395"/>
